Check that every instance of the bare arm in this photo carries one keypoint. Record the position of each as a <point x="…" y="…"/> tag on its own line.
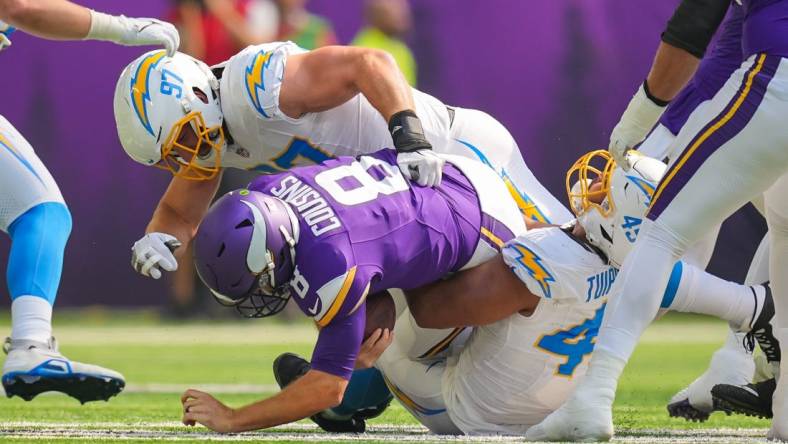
<point x="183" y="207"/>
<point x="63" y="20"/>
<point x="479" y="296"/>
<point x="328" y="77"/>
<point x="310" y="394"/>
<point x="51" y="19"/>
<point x="672" y="69"/>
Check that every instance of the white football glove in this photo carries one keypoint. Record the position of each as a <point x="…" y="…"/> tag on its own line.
<point x="153" y="253"/>
<point x="133" y="31"/>
<point x="422" y="166"/>
<point x="638" y="119"/>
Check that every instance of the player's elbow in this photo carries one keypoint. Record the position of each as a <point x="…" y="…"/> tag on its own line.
<point x="332" y="395"/>
<point x="335" y="395"/>
<point x="418" y="308"/>
<point x="17" y="12"/>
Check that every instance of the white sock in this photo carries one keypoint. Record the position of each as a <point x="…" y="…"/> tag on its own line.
<point x="704" y="293"/>
<point x="31" y="318"/>
<point x="601" y="379"/>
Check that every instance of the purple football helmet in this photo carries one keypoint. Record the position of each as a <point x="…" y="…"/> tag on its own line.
<point x="244" y="252"/>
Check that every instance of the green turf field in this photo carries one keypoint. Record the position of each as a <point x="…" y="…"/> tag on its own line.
<point x="233" y="359"/>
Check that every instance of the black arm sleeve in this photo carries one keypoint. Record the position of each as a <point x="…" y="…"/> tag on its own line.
<point x="694" y="24"/>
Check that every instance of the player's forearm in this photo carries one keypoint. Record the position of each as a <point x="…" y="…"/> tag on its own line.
<point x="478" y="296"/>
<point x="183" y="207"/>
<point x="380" y="80"/>
<point x="672" y="69"/>
<point x="51" y="19"/>
<point x="166" y="219"/>
<point x="310" y="394"/>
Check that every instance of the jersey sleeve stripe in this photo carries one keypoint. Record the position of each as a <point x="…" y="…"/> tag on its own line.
<point x="339" y="300"/>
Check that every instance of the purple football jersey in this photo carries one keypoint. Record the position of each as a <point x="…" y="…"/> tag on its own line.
<point x="765" y="27"/>
<point x="714" y="70"/>
<point x="363" y="229"/>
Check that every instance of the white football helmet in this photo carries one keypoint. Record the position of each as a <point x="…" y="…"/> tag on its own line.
<point x="168" y="114"/>
<point x="610" y="203"/>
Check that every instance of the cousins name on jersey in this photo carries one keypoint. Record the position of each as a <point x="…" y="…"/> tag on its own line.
<point x="312" y="207"/>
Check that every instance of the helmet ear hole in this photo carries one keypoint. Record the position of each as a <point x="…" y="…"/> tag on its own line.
<point x="200" y="94"/>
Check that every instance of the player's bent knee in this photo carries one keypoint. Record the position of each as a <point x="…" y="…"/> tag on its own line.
<point x="38" y="239"/>
<point x="54" y="218"/>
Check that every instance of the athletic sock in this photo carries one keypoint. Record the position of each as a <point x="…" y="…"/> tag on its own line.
<point x="31" y="318"/>
<point x="704" y="293"/>
<point x="600" y="381"/>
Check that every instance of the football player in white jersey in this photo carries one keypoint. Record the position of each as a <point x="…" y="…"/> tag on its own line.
<point x="33" y="213"/>
<point x="274" y="106"/>
<point x="536" y="309"/>
<point x="733" y="151"/>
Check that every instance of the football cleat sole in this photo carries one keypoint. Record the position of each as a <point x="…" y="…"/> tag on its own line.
<point x="82" y="387"/>
<point x="683" y="409"/>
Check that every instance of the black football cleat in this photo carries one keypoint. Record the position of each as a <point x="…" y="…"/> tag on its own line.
<point x="762" y="331"/>
<point x="750" y="399"/>
<point x="683" y="409"/>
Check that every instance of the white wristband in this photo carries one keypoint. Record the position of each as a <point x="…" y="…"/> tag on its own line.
<point x="106" y="27"/>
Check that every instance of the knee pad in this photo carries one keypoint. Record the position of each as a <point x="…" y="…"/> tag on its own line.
<point x="38" y="239"/>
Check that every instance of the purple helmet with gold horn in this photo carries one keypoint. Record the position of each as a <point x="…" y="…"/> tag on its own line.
<point x="244" y="252"/>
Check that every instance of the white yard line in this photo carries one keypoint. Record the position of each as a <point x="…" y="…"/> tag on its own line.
<point x="173" y="431"/>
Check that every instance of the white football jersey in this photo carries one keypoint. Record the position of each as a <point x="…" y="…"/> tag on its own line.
<point x="513" y="373"/>
<point x="267" y="140"/>
<point x="555" y="265"/>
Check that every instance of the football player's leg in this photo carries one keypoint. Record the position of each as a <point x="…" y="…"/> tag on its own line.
<point x="692" y="290"/>
<point x="485" y="139"/>
<point x="427" y="344"/>
<point x="727" y="162"/>
<point x="417" y="385"/>
<point x="695" y="291"/>
<point x="33" y="213"/>
<point x="777" y="218"/>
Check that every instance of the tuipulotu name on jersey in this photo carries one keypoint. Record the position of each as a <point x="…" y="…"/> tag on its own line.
<point x="599" y="285"/>
<point x="309" y="203"/>
<point x="554" y="265"/>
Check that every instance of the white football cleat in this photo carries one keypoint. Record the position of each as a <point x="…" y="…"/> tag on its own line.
<point x="33" y="367"/>
<point x="728" y="365"/>
<point x="587" y="415"/>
